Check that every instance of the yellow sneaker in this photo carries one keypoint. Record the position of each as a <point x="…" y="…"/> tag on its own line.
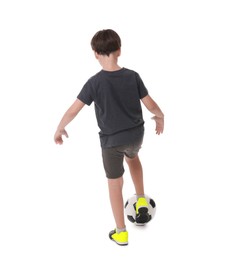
<point x="119" y="238"/>
<point x="142" y="215"/>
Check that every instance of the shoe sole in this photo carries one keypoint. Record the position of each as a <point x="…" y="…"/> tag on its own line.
<point x="118" y="243"/>
<point x="142" y="216"/>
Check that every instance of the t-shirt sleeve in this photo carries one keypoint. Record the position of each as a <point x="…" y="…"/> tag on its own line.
<point x="85" y="95"/>
<point x="141" y="87"/>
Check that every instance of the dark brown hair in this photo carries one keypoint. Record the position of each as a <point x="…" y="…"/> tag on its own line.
<point x="105" y="41"/>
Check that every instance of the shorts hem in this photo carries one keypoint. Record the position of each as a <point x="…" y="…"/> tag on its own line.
<point x="114" y="177"/>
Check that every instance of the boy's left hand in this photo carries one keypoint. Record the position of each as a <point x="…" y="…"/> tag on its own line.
<point x="58" y="136"/>
<point x="159" y="124"/>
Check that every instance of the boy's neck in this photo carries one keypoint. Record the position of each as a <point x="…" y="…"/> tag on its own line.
<point x="109" y="63"/>
<point x="111" y="67"/>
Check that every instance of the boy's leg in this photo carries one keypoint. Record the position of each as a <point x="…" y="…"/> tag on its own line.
<point x="118" y="235"/>
<point x="136" y="172"/>
<point x="116" y="200"/>
<point x="113" y="165"/>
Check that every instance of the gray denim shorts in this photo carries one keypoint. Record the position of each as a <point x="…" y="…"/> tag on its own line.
<point x="113" y="158"/>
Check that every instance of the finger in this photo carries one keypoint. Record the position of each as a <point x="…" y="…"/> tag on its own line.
<point x="159" y="131"/>
<point x="65" y="134"/>
<point x="59" y="141"/>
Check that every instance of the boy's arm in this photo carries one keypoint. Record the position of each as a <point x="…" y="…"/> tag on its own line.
<point x="69" y="115"/>
<point x="152" y="106"/>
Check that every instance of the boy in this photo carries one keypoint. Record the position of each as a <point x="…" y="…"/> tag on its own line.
<point x="116" y="93"/>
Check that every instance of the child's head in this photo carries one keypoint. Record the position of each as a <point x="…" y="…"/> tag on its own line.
<point x="105" y="41"/>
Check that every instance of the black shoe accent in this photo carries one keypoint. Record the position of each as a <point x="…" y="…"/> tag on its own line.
<point x="142" y="217"/>
<point x="111" y="233"/>
<point x="131" y="219"/>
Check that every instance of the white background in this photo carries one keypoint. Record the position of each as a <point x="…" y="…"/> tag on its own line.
<point x="192" y="56"/>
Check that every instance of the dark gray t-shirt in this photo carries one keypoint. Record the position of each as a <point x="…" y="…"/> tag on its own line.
<point x="116" y="96"/>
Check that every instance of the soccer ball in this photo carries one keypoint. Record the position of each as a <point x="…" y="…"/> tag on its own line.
<point x="130" y="209"/>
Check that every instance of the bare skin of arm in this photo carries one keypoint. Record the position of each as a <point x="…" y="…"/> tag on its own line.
<point x="152" y="106"/>
<point x="69" y="115"/>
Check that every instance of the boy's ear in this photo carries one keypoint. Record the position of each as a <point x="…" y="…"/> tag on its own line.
<point x="119" y="52"/>
<point x="96" y="55"/>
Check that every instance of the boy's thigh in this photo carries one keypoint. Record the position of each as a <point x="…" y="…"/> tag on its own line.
<point x="113" y="158"/>
<point x="113" y="162"/>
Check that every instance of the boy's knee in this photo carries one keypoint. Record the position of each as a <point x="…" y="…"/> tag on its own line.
<point x="116" y="183"/>
<point x="131" y="159"/>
